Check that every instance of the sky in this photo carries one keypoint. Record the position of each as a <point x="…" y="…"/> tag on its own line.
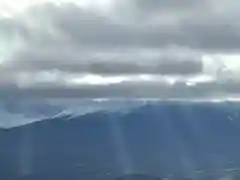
<point x="127" y="48"/>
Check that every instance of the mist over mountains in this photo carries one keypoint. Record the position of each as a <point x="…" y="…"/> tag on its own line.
<point x="164" y="139"/>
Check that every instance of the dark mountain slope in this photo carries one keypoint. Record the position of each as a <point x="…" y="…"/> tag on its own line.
<point x="155" y="139"/>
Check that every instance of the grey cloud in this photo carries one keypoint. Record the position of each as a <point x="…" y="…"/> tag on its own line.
<point x="197" y="26"/>
<point x="150" y="6"/>
<point x="203" y="28"/>
<point x="191" y="23"/>
<point x="125" y="90"/>
<point x="113" y="64"/>
<point x="164" y="67"/>
<point x="209" y="32"/>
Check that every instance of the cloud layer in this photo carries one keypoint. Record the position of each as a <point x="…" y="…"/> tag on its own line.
<point x="137" y="48"/>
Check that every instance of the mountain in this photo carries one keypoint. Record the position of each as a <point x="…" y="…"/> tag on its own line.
<point x="2" y="133"/>
<point x="138" y="177"/>
<point x="159" y="139"/>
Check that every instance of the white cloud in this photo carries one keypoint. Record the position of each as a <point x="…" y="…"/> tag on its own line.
<point x="11" y="8"/>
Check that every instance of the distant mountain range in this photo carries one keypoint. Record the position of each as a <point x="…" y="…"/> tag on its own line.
<point x="161" y="139"/>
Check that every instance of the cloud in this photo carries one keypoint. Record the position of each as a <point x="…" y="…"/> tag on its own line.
<point x="197" y="26"/>
<point x="151" y="5"/>
<point x="191" y="24"/>
<point x="126" y="89"/>
<point x="49" y="45"/>
<point x="123" y="62"/>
